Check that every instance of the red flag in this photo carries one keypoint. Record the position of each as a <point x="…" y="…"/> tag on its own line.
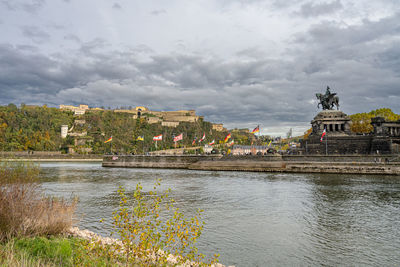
<point x="323" y="134"/>
<point x="204" y="137"/>
<point x="179" y="137"/>
<point x="194" y="141"/>
<point x="108" y="140"/>
<point x="212" y="142"/>
<point x="157" y="138"/>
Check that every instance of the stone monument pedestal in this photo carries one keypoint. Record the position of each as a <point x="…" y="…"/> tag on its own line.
<point x="338" y="138"/>
<point x="335" y="122"/>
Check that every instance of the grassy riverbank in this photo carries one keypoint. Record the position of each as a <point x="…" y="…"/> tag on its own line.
<point x="49" y="251"/>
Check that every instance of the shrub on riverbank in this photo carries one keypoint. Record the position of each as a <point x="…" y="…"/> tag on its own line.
<point x="152" y="231"/>
<point x="24" y="210"/>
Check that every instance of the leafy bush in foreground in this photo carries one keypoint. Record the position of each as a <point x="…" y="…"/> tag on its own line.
<point x="151" y="230"/>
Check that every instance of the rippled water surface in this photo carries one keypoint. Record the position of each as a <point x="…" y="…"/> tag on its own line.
<point x="257" y="219"/>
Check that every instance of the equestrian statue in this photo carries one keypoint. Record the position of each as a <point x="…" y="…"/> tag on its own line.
<point x="328" y="100"/>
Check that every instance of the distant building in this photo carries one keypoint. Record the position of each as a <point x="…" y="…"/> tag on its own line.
<point x="249" y="150"/>
<point x="170" y="123"/>
<point x="207" y="149"/>
<point x="80" y="110"/>
<point x="64" y="131"/>
<point x="219" y="127"/>
<point x="152" y="120"/>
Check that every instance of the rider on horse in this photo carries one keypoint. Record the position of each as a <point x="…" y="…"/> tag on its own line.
<point x="329" y="100"/>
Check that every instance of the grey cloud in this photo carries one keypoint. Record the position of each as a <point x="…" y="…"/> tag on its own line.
<point x="31" y="6"/>
<point x="34" y="5"/>
<point x="9" y="5"/>
<point x="27" y="48"/>
<point x="313" y="10"/>
<point x="333" y="35"/>
<point x="116" y="6"/>
<point x="286" y="4"/>
<point x="241" y="91"/>
<point x="361" y="61"/>
<point x="252" y="52"/>
<point x="35" y="34"/>
<point x="163" y="82"/>
<point x="157" y="12"/>
<point x="72" y="37"/>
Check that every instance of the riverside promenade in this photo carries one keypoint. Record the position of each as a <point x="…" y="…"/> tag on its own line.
<point x="346" y="164"/>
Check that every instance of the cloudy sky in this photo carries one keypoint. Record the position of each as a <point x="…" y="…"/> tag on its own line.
<point x="236" y="62"/>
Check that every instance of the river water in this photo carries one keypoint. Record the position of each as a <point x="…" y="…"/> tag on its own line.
<point x="256" y="219"/>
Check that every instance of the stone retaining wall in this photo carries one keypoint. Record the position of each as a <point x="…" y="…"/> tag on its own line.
<point x="301" y="164"/>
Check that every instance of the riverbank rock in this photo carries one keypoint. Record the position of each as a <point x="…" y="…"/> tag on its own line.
<point x="89" y="235"/>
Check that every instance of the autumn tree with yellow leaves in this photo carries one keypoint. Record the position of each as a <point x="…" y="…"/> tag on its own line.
<point x="361" y="122"/>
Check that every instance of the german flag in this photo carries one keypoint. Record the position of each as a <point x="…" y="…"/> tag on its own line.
<point x="227" y="137"/>
<point x="256" y="130"/>
<point x="108" y="140"/>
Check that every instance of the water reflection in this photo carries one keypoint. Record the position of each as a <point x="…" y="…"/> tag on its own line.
<point x="257" y="219"/>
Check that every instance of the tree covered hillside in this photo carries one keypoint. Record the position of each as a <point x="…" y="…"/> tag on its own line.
<point x="38" y="128"/>
<point x="31" y="128"/>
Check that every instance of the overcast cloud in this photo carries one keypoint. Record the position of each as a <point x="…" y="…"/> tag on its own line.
<point x="236" y="62"/>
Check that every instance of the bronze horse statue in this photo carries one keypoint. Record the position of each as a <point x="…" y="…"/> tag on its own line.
<point x="328" y="101"/>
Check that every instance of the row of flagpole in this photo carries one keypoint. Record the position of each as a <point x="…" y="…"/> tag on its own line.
<point x="180" y="137"/>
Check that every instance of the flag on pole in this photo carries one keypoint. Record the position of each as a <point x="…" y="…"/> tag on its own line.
<point x="323" y="134"/>
<point x="269" y="142"/>
<point x="157" y="138"/>
<point x="194" y="141"/>
<point x="231" y="142"/>
<point x="140" y="138"/>
<point x="256" y="130"/>
<point x="203" y="138"/>
<point x="108" y="140"/>
<point x="178" y="137"/>
<point x="227" y="137"/>
<point x="212" y="142"/>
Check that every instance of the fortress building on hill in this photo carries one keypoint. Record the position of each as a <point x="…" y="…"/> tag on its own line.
<point x="219" y="127"/>
<point x="79" y="110"/>
<point x="166" y="118"/>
